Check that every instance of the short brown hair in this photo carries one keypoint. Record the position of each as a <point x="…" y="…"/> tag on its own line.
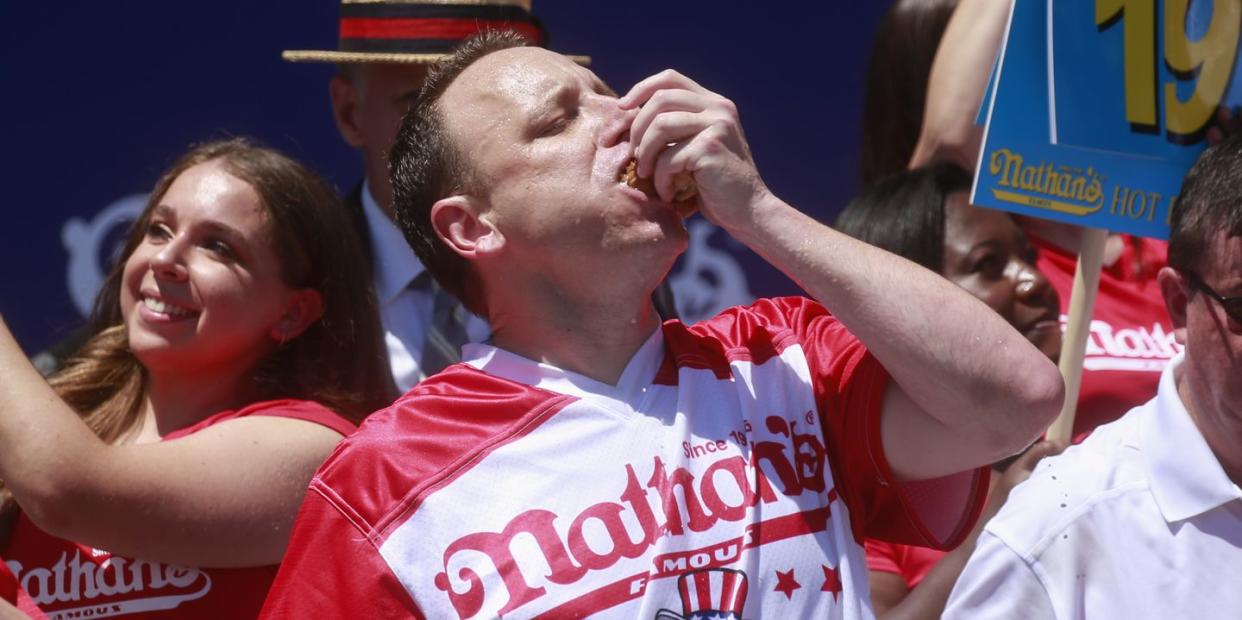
<point x="1210" y="202"/>
<point x="425" y="166"/>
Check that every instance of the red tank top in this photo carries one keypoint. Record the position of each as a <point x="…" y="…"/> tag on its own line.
<point x="69" y="580"/>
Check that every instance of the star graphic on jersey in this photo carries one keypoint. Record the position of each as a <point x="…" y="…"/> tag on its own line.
<point x="786" y="584"/>
<point x="832" y="582"/>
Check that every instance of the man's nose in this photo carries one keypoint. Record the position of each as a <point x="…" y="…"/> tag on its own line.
<point x="615" y="124"/>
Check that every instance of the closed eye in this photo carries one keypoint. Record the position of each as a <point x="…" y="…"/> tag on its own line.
<point x="559" y="124"/>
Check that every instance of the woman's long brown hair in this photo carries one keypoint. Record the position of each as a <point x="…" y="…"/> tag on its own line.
<point x="340" y="361"/>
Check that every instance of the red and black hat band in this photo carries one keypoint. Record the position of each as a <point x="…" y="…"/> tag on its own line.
<point x="427" y="28"/>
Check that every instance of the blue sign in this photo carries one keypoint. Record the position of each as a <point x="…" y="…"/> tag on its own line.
<point x="1100" y="107"/>
<point x="1143" y="77"/>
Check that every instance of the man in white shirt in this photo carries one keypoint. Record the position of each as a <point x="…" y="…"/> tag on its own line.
<point x="1144" y="519"/>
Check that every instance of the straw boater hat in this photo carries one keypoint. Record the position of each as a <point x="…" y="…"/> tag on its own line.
<point x="421" y="31"/>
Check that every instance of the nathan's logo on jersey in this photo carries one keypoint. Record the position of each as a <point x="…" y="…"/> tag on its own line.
<point x="114" y="587"/>
<point x="712" y="594"/>
<point x="725" y="491"/>
<point x="1137" y="348"/>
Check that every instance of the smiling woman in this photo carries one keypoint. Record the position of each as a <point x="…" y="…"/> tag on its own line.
<point x="235" y="343"/>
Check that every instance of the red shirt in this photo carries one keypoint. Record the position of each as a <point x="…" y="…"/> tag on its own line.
<point x="911" y="563"/>
<point x="1131" y="337"/>
<point x="733" y="469"/>
<point x="8" y="584"/>
<point x="76" y="580"/>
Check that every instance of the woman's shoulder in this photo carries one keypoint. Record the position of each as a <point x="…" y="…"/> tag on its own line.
<point x="291" y="408"/>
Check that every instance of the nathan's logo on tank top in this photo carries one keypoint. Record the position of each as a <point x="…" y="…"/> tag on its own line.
<point x="115" y="587"/>
<point x="1131" y="348"/>
<point x="725" y="491"/>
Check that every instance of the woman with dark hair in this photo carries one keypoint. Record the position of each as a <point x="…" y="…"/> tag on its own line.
<point x="896" y="89"/>
<point x="236" y="342"/>
<point x="924" y="216"/>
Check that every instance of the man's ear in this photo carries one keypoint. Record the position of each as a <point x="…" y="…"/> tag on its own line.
<point x="346" y="110"/>
<point x="1176" y="291"/>
<point x="464" y="224"/>
<point x="305" y="306"/>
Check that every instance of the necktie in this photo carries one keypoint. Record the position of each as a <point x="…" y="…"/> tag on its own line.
<point x="446" y="331"/>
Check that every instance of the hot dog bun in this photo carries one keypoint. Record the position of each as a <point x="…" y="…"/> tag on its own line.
<point x="684" y="189"/>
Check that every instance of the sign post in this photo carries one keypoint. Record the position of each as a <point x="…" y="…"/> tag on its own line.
<point x="1074" y="345"/>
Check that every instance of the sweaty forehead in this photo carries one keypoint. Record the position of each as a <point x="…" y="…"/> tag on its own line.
<point x="505" y="84"/>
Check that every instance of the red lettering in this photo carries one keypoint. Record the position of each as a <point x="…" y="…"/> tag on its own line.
<point x="725" y="491"/>
<point x="665" y="485"/>
<point x="636" y="496"/>
<point x="692" y="451"/>
<point x="622" y="546"/>
<point x="736" y="469"/>
<point x="497" y="547"/>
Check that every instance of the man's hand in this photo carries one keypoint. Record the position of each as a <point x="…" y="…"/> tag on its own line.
<point x="967" y="389"/>
<point x="683" y="127"/>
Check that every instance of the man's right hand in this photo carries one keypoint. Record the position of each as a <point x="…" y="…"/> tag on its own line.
<point x="683" y="127"/>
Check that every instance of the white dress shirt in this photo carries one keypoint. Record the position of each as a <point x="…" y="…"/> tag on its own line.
<point x="405" y="311"/>
<point x="1139" y="521"/>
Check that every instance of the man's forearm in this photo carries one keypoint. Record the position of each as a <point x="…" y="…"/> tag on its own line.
<point x="951" y="355"/>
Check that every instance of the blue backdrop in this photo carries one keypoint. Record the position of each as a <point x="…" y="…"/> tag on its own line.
<point x="101" y="96"/>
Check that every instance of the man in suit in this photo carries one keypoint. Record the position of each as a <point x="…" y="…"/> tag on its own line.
<point x="384" y="51"/>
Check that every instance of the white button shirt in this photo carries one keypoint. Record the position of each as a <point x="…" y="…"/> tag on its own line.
<point x="404" y="311"/>
<point x="1140" y="521"/>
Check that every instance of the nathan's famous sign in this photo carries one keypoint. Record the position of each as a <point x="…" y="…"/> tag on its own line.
<point x="1069" y="190"/>
<point x="1100" y="107"/>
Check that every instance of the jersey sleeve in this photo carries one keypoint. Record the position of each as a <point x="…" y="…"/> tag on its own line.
<point x="332" y="568"/>
<point x="849" y="385"/>
<point x="882" y="557"/>
<point x="997" y="583"/>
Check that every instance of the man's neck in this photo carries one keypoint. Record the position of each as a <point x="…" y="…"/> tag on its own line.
<point x="1221" y="431"/>
<point x="595" y="338"/>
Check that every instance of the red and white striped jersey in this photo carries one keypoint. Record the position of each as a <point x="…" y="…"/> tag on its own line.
<point x="732" y="470"/>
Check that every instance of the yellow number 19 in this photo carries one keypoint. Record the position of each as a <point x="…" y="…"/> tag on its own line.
<point x="1140" y="55"/>
<point x="1208" y="60"/>
<point x="1211" y="57"/>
